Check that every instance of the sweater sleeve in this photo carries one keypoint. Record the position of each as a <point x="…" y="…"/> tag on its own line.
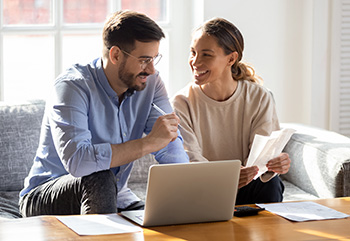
<point x="264" y="123"/>
<point x="191" y="143"/>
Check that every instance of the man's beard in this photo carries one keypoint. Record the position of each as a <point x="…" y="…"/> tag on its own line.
<point x="129" y="79"/>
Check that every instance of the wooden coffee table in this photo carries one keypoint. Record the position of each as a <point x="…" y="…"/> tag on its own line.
<point x="265" y="226"/>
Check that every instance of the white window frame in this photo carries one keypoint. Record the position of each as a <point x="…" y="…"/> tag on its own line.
<point x="177" y="28"/>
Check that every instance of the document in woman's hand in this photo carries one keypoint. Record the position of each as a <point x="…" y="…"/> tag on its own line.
<point x="265" y="148"/>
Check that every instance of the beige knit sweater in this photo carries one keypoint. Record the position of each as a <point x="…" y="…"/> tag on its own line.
<point x="224" y="130"/>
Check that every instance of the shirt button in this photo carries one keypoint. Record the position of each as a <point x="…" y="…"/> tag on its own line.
<point x="124" y="134"/>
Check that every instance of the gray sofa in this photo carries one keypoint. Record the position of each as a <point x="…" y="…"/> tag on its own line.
<point x="320" y="159"/>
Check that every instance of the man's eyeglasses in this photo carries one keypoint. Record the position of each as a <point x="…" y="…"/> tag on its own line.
<point x="144" y="61"/>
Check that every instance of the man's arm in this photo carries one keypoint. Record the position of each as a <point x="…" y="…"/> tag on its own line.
<point x="163" y="132"/>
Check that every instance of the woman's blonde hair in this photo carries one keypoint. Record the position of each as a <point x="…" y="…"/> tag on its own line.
<point x="230" y="39"/>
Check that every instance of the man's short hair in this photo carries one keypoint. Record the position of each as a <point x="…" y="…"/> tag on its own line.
<point x="123" y="28"/>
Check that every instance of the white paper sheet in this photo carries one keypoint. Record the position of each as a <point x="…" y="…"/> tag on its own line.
<point x="98" y="224"/>
<point x="303" y="211"/>
<point x="265" y="148"/>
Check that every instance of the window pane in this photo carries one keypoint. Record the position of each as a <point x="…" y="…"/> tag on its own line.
<point x="29" y="67"/>
<point x="85" y="11"/>
<point x="155" y="9"/>
<point x="80" y="48"/>
<point x="21" y="12"/>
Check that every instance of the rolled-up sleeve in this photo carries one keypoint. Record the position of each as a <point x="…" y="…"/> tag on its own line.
<point x="89" y="159"/>
<point x="68" y="118"/>
<point x="172" y="153"/>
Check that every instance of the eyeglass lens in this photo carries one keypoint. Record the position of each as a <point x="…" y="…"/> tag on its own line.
<point x="155" y="61"/>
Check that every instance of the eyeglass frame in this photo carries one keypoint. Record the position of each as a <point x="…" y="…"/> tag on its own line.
<point x="145" y="61"/>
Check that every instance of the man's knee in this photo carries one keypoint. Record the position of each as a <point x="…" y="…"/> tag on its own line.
<point x="101" y="179"/>
<point x="99" y="193"/>
<point x="95" y="193"/>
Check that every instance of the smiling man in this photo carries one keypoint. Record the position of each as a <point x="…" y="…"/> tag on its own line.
<point x="94" y="125"/>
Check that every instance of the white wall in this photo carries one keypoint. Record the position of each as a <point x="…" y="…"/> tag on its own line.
<point x="286" y="41"/>
<point x="278" y="42"/>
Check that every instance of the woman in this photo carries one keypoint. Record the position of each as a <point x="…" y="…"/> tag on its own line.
<point x="225" y="107"/>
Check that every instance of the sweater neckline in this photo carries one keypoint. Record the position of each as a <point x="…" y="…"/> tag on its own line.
<point x="211" y="101"/>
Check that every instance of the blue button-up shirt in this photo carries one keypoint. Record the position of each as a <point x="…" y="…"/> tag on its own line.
<point x="83" y="117"/>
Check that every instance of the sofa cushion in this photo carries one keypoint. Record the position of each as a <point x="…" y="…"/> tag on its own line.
<point x="9" y="205"/>
<point x="293" y="193"/>
<point x="320" y="161"/>
<point x="19" y="137"/>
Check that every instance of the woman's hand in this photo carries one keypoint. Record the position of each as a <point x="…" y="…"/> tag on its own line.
<point x="280" y="164"/>
<point x="247" y="174"/>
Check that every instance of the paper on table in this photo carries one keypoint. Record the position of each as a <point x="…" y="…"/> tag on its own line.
<point x="98" y="224"/>
<point x="265" y="148"/>
<point x="303" y="211"/>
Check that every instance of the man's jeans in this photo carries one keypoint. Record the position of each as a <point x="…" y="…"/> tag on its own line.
<point x="68" y="195"/>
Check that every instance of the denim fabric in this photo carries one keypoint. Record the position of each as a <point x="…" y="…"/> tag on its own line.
<point x="68" y="195"/>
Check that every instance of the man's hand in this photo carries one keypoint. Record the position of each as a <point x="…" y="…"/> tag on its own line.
<point x="164" y="131"/>
<point x="280" y="164"/>
<point x="247" y="174"/>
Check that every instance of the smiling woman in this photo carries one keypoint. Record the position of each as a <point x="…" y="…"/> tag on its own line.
<point x="225" y="107"/>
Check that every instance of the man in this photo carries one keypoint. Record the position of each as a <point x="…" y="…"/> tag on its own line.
<point x="94" y="123"/>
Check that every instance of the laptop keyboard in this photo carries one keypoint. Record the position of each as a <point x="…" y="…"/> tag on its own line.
<point x="139" y="217"/>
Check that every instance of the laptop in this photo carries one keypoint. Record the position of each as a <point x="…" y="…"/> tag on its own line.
<point x="189" y="193"/>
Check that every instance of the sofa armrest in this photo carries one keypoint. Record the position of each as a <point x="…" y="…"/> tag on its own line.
<point x="20" y="125"/>
<point x="320" y="161"/>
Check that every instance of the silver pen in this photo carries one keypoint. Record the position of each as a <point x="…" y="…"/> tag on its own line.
<point x="161" y="111"/>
